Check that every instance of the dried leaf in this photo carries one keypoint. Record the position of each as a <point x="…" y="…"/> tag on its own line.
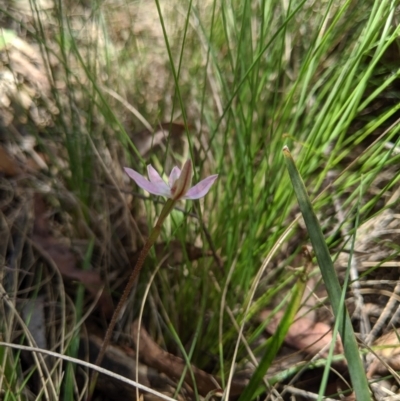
<point x="122" y="361"/>
<point x="33" y="314"/>
<point x="65" y="260"/>
<point x="8" y="165"/>
<point x="304" y="334"/>
<point x="146" y="140"/>
<point x="154" y="356"/>
<point x="26" y="61"/>
<point x="386" y="354"/>
<point x="23" y="81"/>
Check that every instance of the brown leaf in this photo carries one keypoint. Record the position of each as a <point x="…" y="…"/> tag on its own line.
<point x="386" y="354"/>
<point x="154" y="356"/>
<point x="304" y="334"/>
<point x="122" y="361"/>
<point x="146" y="140"/>
<point x="65" y="260"/>
<point x="8" y="165"/>
<point x="25" y="60"/>
<point x="33" y="313"/>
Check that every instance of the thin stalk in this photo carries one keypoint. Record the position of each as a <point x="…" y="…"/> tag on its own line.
<point x="169" y="205"/>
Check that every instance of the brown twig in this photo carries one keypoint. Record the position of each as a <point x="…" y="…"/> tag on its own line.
<point x="153" y="356"/>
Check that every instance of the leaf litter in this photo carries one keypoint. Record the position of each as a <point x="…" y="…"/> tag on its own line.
<point x="25" y="98"/>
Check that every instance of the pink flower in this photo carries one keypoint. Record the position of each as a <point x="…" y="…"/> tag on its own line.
<point x="178" y="185"/>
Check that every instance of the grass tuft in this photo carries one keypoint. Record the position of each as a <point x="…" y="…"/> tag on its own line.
<point x="87" y="88"/>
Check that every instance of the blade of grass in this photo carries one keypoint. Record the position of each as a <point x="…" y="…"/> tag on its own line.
<point x="356" y="368"/>
<point x="274" y="343"/>
<point x="74" y="345"/>
<point x="325" y="376"/>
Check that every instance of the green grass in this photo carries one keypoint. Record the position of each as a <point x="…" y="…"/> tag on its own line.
<point x="245" y="78"/>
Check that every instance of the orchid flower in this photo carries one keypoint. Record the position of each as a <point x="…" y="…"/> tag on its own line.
<point x="178" y="187"/>
<point x="179" y="182"/>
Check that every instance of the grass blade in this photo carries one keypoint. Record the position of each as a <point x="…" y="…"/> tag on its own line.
<point x="356" y="368"/>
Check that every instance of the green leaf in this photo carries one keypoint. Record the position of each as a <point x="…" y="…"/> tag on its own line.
<point x="356" y="368"/>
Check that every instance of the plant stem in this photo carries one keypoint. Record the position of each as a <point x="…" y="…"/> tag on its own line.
<point x="135" y="272"/>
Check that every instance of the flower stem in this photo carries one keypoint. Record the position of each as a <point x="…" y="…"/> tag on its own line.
<point x="169" y="205"/>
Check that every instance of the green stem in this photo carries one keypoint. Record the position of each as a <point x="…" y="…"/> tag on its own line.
<point x="169" y="205"/>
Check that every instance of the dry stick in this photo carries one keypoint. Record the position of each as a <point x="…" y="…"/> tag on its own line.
<point x="174" y="367"/>
<point x="169" y="205"/>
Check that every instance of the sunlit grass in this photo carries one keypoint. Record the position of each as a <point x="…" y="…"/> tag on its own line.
<point x="245" y="79"/>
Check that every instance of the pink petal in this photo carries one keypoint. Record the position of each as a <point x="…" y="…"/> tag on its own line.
<point x="201" y="189"/>
<point x="155" y="178"/>
<point x="182" y="184"/>
<point x="175" y="173"/>
<point x="151" y="187"/>
<point x="153" y="174"/>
